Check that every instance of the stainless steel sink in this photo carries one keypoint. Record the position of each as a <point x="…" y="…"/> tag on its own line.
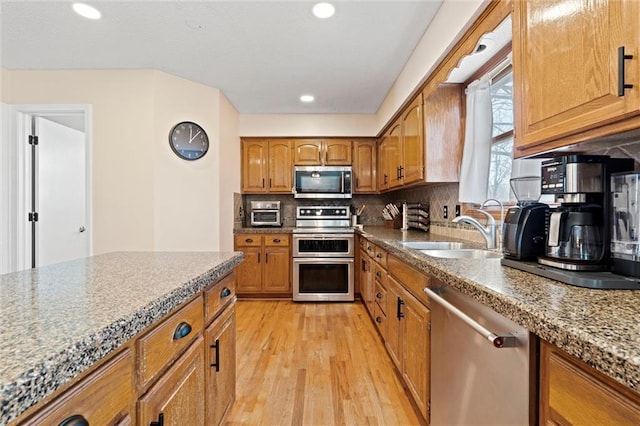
<point x="463" y="253"/>
<point x="432" y="245"/>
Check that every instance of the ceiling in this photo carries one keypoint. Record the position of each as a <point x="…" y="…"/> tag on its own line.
<point x="262" y="54"/>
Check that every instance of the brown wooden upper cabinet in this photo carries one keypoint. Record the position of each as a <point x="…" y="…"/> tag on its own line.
<point x="571" y="62"/>
<point x="322" y="152"/>
<point x="266" y="166"/>
<point x="424" y="144"/>
<point x="364" y="166"/>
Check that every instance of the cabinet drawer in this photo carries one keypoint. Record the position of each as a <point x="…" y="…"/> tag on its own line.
<point x="218" y="295"/>
<point x="248" y="240"/>
<point x="411" y="279"/>
<point x="163" y="344"/>
<point x="380" y="256"/>
<point x="380" y="274"/>
<point x="381" y="296"/>
<point x="574" y="393"/>
<point x="381" y="321"/>
<point x="276" y="240"/>
<point x="105" y="396"/>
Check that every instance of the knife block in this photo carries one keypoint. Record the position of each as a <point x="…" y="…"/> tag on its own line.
<point x="396" y="223"/>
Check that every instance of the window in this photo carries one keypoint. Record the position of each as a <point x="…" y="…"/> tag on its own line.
<point x="502" y="136"/>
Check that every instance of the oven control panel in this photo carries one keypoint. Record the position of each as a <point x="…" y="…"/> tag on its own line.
<point x="322" y="212"/>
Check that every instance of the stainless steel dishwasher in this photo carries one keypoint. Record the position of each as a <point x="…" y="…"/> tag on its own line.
<point x="480" y="364"/>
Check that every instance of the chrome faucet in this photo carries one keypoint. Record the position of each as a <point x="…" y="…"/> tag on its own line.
<point x="489" y="231"/>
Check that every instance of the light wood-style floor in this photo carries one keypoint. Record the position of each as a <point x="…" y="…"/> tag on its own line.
<point x="314" y="364"/>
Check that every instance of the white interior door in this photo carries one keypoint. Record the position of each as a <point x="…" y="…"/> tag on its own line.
<point x="61" y="193"/>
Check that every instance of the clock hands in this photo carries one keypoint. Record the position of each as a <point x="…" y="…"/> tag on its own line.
<point x="191" y="138"/>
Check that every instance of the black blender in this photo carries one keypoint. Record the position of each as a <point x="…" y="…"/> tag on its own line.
<point x="523" y="229"/>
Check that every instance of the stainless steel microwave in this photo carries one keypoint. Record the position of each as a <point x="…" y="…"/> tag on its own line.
<point x="322" y="182"/>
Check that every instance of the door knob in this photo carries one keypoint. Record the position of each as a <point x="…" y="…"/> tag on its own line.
<point x="81" y="229"/>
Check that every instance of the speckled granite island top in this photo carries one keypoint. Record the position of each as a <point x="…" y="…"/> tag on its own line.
<point x="60" y="319"/>
<point x="601" y="327"/>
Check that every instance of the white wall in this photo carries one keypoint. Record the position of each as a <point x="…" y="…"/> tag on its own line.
<point x="144" y="197"/>
<point x="308" y="125"/>
<point x="229" y="176"/>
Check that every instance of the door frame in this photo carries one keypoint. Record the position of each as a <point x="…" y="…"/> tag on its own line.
<point x="21" y="115"/>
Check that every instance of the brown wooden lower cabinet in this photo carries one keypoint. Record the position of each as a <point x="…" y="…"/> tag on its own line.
<point x="188" y="380"/>
<point x="178" y="396"/>
<point x="104" y="397"/>
<point x="266" y="269"/>
<point x="573" y="393"/>
<point x="220" y="366"/>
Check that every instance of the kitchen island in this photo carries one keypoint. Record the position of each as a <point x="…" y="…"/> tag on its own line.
<point x="599" y="327"/>
<point x="60" y="320"/>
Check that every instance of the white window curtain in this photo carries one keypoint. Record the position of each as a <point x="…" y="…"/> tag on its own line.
<point x="476" y="155"/>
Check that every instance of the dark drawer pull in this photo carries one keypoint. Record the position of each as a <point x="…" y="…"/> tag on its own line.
<point x="379" y="320"/>
<point x="216" y="363"/>
<point x="378" y="274"/>
<point x="160" y="421"/>
<point x="379" y="295"/>
<point x="225" y="292"/>
<point x="379" y="255"/>
<point x="621" y="58"/>
<point x="75" y="420"/>
<point x="248" y="240"/>
<point x="399" y="313"/>
<point x="276" y="240"/>
<point x="182" y="330"/>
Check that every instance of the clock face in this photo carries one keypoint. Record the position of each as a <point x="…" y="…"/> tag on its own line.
<point x="188" y="140"/>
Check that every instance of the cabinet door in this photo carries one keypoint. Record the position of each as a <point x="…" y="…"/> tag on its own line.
<point x="415" y="351"/>
<point x="572" y="393"/>
<point x="394" y="155"/>
<point x="413" y="143"/>
<point x="364" y="166"/>
<point x="337" y="152"/>
<point x="179" y="393"/>
<point x="565" y="67"/>
<point x="444" y="133"/>
<point x="395" y="312"/>
<point x="254" y="166"/>
<point x="383" y="163"/>
<point x="307" y="152"/>
<point x="249" y="272"/>
<point x="105" y="397"/>
<point x="277" y="265"/>
<point x="220" y="365"/>
<point x="280" y="166"/>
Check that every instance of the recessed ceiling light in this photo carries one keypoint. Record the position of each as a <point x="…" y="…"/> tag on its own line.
<point x="307" y="98"/>
<point x="87" y="11"/>
<point x="324" y="10"/>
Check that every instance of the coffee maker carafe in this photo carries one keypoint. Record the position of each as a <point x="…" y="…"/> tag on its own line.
<point x="577" y="230"/>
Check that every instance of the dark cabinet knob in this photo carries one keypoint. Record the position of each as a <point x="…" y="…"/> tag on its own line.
<point x="379" y="295"/>
<point x="276" y="240"/>
<point x="75" y="420"/>
<point x="182" y="330"/>
<point x="226" y="292"/>
<point x="379" y="320"/>
<point x="378" y="274"/>
<point x="379" y="255"/>
<point x="248" y="240"/>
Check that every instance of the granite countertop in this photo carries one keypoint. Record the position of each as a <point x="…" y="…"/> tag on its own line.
<point x="60" y="319"/>
<point x="601" y="327"/>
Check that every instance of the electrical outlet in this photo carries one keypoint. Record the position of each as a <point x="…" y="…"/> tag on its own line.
<point x="445" y="212"/>
<point x="457" y="210"/>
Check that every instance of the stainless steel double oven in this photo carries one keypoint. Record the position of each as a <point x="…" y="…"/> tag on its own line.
<point x="323" y="255"/>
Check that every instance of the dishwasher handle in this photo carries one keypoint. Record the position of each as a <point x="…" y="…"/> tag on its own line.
<point x="498" y="341"/>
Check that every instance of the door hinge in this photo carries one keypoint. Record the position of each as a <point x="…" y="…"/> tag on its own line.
<point x="429" y="326"/>
<point x="33" y="140"/>
<point x="33" y="216"/>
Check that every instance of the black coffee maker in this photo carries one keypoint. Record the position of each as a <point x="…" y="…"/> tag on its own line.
<point x="523" y="229"/>
<point x="577" y="231"/>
